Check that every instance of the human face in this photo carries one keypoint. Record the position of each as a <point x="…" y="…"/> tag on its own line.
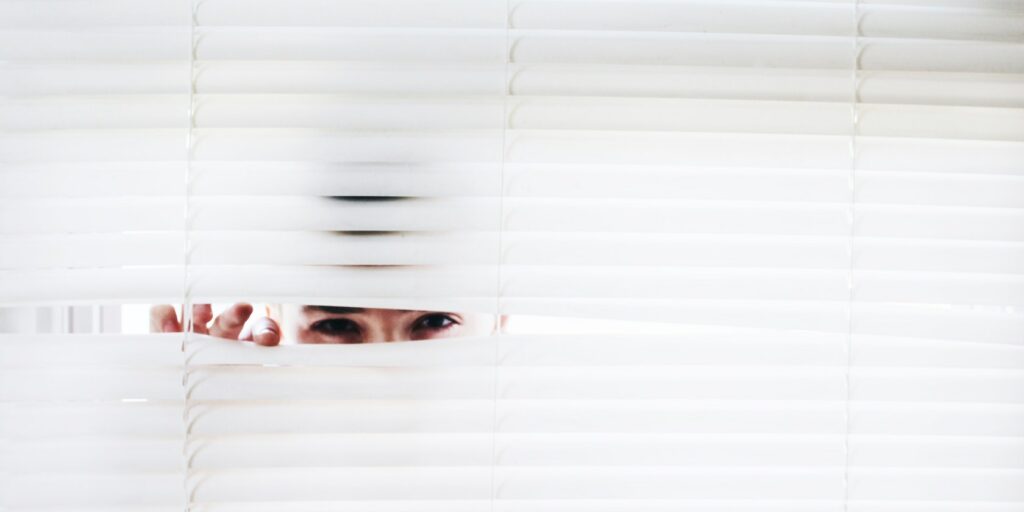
<point x="330" y="324"/>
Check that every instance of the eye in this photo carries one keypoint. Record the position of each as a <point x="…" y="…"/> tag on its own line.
<point x="435" y="321"/>
<point x="335" y="326"/>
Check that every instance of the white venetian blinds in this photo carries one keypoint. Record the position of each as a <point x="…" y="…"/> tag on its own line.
<point x="824" y="200"/>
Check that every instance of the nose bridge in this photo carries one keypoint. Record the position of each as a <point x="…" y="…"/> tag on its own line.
<point x="382" y="329"/>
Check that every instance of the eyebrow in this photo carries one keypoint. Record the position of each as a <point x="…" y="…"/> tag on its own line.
<point x="344" y="310"/>
<point x="340" y="310"/>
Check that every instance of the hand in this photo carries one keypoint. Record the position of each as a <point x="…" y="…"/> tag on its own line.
<point x="230" y="324"/>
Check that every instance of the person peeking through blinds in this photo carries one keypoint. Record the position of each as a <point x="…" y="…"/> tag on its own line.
<point x="292" y="323"/>
<point x="325" y="324"/>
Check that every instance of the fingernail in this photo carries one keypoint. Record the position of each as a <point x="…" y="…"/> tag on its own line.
<point x="169" y="326"/>
<point x="265" y="336"/>
<point x="260" y="331"/>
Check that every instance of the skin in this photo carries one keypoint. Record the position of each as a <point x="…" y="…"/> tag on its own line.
<point x="325" y="324"/>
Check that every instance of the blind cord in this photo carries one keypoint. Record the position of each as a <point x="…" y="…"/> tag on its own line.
<point x="851" y="216"/>
<point x="186" y="304"/>
<point x="501" y="231"/>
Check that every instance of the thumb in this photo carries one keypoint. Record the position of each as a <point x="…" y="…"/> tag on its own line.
<point x="163" y="318"/>
<point x="264" y="331"/>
